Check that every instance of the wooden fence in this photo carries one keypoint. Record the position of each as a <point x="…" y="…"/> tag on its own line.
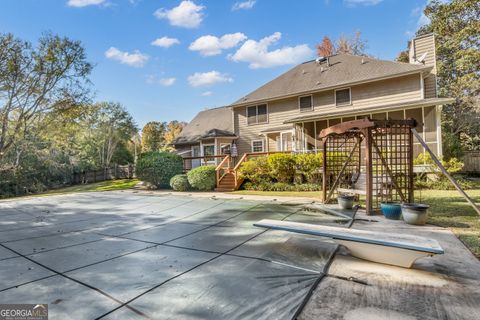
<point x="471" y="160"/>
<point x="111" y="173"/>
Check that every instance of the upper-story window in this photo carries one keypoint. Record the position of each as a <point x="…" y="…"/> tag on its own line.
<point x="305" y="103"/>
<point x="257" y="146"/>
<point x="257" y="114"/>
<point x="343" y="97"/>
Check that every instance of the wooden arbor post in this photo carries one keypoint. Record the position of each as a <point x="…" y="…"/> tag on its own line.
<point x="367" y="132"/>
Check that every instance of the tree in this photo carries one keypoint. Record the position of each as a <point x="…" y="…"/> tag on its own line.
<point x="326" y="48"/>
<point x="173" y="129"/>
<point x="403" y="57"/>
<point x="456" y="27"/>
<point x="350" y="45"/>
<point x="110" y="125"/>
<point x="153" y="136"/>
<point x="34" y="81"/>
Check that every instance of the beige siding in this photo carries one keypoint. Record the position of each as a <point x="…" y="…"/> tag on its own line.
<point x="364" y="97"/>
<point x="419" y="47"/>
<point x="278" y="112"/>
<point x="373" y="94"/>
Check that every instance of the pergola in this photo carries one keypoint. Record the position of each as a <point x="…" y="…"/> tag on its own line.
<point x="372" y="158"/>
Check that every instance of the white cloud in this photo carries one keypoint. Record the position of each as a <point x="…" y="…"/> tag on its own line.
<point x="165" y="42"/>
<point x="135" y="59"/>
<point x="84" y="3"/>
<point x="167" y="82"/>
<point x="245" y="5"/>
<point x="211" y="45"/>
<point x="186" y="15"/>
<point x="257" y="55"/>
<point x="207" y="93"/>
<point x="362" y="2"/>
<point x="208" y="78"/>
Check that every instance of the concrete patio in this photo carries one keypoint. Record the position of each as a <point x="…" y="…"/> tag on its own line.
<point x="137" y="255"/>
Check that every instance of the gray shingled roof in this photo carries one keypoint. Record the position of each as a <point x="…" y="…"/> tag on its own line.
<point x="210" y="123"/>
<point x="344" y="69"/>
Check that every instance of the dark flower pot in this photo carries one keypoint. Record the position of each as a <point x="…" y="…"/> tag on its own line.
<point x="391" y="210"/>
<point x="415" y="213"/>
<point x="345" y="201"/>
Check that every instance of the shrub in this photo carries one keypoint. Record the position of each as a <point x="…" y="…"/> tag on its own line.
<point x="158" y="168"/>
<point x="280" y="186"/>
<point x="255" y="170"/>
<point x="202" y="178"/>
<point x="282" y="166"/>
<point x="310" y="165"/>
<point x="180" y="182"/>
<point x="424" y="181"/>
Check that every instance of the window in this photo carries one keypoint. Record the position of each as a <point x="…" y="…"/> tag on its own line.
<point x="225" y="148"/>
<point x="208" y="150"/>
<point x="343" y="97"/>
<point x="257" y="146"/>
<point x="257" y="114"/>
<point x="305" y="103"/>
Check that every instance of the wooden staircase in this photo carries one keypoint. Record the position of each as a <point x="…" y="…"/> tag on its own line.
<point x="227" y="183"/>
<point x="227" y="175"/>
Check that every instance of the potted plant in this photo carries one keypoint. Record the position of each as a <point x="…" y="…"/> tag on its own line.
<point x="415" y="213"/>
<point x="391" y="210"/>
<point x="346" y="200"/>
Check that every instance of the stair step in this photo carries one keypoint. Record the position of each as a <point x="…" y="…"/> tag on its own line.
<point x="224" y="189"/>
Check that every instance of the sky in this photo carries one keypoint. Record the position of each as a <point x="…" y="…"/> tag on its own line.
<point x="169" y="59"/>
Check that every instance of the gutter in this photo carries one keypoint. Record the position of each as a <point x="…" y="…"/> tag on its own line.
<point x="408" y="104"/>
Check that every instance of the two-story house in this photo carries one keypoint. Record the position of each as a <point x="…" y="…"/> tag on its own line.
<point x="288" y="113"/>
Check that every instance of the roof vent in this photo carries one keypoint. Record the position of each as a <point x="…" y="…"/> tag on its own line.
<point x="303" y="71"/>
<point x="319" y="60"/>
<point x="363" y="61"/>
<point x="318" y="83"/>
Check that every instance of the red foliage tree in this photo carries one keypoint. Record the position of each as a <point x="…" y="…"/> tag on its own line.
<point x="325" y="48"/>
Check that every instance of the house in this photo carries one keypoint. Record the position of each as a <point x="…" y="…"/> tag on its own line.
<point x="210" y="133"/>
<point x="288" y="113"/>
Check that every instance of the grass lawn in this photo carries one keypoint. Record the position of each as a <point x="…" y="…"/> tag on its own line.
<point x="449" y="209"/>
<point x="109" y="185"/>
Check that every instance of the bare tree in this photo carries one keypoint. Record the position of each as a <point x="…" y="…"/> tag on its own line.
<point x="34" y="81"/>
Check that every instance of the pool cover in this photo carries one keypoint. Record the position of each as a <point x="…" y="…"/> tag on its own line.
<point x="134" y="256"/>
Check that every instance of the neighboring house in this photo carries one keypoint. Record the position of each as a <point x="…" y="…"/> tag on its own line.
<point x="209" y="133"/>
<point x="288" y="113"/>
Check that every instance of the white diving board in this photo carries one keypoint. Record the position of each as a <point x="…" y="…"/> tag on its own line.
<point x="394" y="249"/>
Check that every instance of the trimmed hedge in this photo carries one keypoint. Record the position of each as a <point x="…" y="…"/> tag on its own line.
<point x="180" y="182"/>
<point x="158" y="168"/>
<point x="284" y="168"/>
<point x="202" y="178"/>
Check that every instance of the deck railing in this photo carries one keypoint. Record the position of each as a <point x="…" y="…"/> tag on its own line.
<point x="188" y="162"/>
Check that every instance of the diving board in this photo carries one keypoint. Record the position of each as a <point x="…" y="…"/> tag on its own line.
<point x="394" y="249"/>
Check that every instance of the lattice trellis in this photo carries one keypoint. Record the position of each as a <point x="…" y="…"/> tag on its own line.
<point x="382" y="173"/>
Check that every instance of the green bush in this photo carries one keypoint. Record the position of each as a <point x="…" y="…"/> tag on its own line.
<point x="158" y="168"/>
<point x="282" y="166"/>
<point x="202" y="178"/>
<point x="281" y="186"/>
<point x="180" y="182"/>
<point x="439" y="181"/>
<point x="310" y="165"/>
<point x="255" y="170"/>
